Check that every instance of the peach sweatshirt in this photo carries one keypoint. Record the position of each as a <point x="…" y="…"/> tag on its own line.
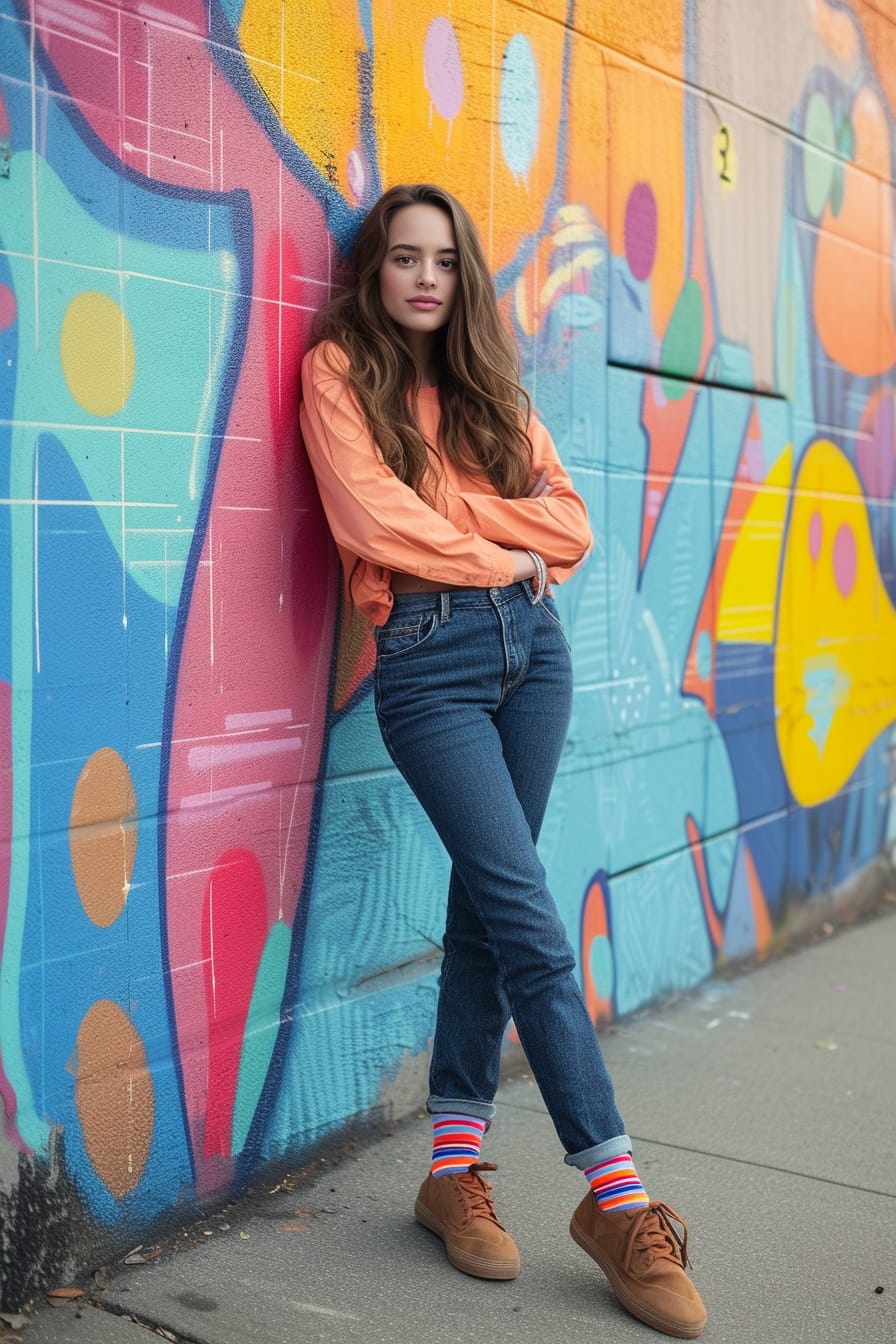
<point x="380" y="524"/>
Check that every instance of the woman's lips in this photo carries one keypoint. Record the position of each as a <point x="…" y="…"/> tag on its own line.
<point x="425" y="305"/>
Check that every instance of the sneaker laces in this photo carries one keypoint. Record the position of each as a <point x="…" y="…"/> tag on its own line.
<point x="476" y="1194"/>
<point x="652" y="1234"/>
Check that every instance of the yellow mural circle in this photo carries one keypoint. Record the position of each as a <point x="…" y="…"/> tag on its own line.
<point x="114" y="1096"/>
<point x="103" y="835"/>
<point x="97" y="350"/>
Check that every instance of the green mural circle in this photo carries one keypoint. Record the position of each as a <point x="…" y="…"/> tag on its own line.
<point x="683" y="340"/>
<point x="818" y="156"/>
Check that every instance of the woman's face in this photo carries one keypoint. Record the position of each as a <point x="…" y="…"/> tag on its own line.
<point x="418" y="275"/>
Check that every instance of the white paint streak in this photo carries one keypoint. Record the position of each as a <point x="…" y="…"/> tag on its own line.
<point x="164" y="16"/>
<point x="656" y="640"/>
<point x="204" y="758"/>
<point x="259" y="719"/>
<point x="84" y="503"/>
<point x="68" y="17"/>
<point x="215" y="797"/>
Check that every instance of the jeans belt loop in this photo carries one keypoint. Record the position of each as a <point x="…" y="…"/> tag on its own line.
<point x="444" y="607"/>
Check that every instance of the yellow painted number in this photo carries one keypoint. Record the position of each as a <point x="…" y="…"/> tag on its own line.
<point x="726" y="159"/>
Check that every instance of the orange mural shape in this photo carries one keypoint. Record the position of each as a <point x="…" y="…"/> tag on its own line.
<point x="853" y="281"/>
<point x="653" y="33"/>
<point x="588" y="167"/>
<point x="114" y="1096"/>
<point x="103" y="835"/>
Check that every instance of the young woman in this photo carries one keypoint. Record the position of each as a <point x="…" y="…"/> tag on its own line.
<point x="453" y="514"/>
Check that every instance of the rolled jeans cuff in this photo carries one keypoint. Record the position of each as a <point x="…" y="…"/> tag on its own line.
<point x="483" y="1110"/>
<point x="601" y="1152"/>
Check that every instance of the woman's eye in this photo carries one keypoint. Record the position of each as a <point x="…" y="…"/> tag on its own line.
<point x="402" y="261"/>
<point x="448" y="263"/>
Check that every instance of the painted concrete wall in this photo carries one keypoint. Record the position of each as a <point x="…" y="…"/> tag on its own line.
<point x="219" y="907"/>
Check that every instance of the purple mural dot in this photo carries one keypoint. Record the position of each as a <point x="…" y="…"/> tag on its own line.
<point x="640" y="230"/>
<point x="442" y="69"/>
<point x="816" y="529"/>
<point x="845" y="559"/>
<point x="876" y="450"/>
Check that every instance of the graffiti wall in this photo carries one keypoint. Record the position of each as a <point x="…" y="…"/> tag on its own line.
<point x="220" y="908"/>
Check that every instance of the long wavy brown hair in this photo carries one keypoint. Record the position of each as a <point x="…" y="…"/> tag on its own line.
<point x="484" y="410"/>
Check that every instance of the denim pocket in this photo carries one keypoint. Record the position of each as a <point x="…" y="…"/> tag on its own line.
<point x="547" y="606"/>
<point x="392" y="640"/>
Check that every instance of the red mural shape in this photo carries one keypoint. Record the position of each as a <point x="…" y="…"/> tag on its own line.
<point x="713" y="923"/>
<point x="761" y="917"/>
<point x="595" y="924"/>
<point x="234" y="929"/>
<point x="666" y="423"/>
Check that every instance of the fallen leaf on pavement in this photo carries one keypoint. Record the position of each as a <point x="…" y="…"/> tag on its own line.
<point x="58" y="1296"/>
<point x="825" y="1045"/>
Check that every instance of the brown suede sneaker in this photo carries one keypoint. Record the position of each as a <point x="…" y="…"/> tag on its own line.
<point x="644" y="1258"/>
<point x="460" y="1210"/>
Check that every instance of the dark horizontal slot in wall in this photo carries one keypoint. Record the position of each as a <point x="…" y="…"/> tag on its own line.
<point x="696" y="382"/>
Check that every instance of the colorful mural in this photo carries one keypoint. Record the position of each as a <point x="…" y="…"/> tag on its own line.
<point x="220" y="908"/>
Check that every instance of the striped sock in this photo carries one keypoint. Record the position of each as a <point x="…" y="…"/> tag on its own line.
<point x="616" y="1186"/>
<point x="456" y="1141"/>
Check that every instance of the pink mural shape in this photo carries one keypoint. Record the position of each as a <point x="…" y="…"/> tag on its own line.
<point x="251" y="684"/>
<point x="845" y="559"/>
<point x="442" y="68"/>
<point x="816" y="535"/>
<point x="7" y="307"/>
<point x="641" y="221"/>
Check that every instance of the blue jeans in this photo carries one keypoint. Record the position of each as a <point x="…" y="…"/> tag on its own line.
<point x="473" y="691"/>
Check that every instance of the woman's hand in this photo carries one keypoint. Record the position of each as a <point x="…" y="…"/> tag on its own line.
<point x="523" y="565"/>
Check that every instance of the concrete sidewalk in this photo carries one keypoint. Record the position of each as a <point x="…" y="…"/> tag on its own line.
<point x="764" y="1111"/>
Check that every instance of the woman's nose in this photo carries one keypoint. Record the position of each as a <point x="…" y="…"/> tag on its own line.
<point x="426" y="278"/>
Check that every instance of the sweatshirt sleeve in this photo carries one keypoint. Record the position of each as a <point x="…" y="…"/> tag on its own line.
<point x="370" y="511"/>
<point x="554" y="525"/>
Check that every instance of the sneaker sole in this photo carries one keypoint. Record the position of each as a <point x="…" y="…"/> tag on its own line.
<point x="475" y="1265"/>
<point x="680" y="1329"/>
